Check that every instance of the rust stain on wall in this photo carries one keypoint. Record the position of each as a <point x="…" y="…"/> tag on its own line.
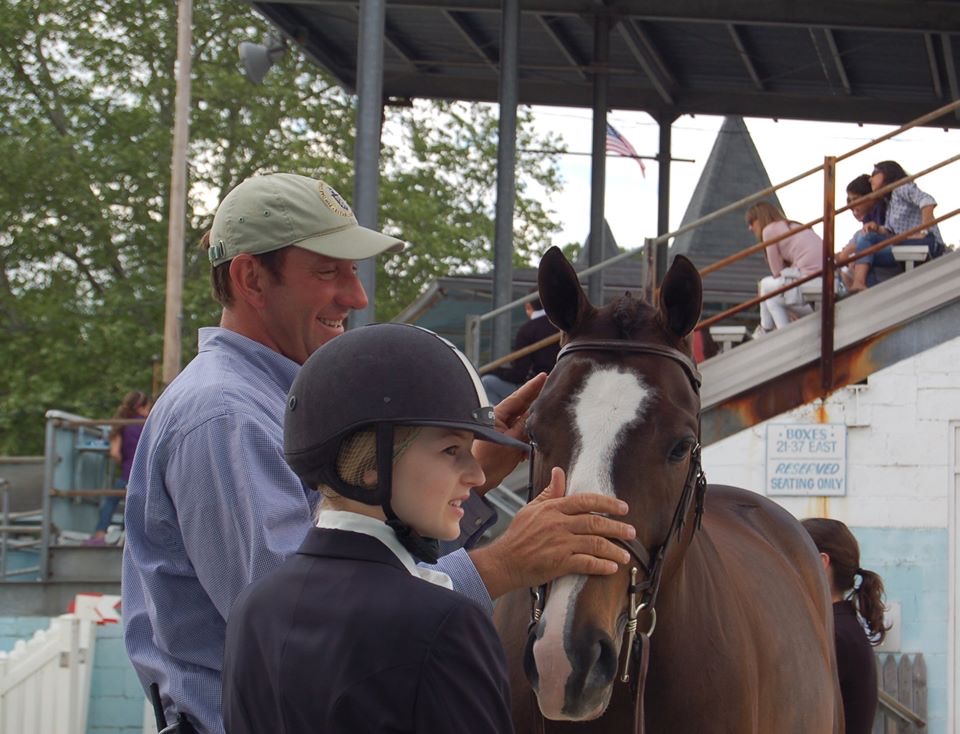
<point x="820" y="415"/>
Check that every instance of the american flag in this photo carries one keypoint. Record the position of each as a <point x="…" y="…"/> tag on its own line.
<point x="618" y="144"/>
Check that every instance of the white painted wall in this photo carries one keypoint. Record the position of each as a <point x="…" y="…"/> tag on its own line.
<point x="898" y="439"/>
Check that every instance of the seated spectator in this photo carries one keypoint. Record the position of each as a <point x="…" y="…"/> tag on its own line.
<point x="906" y="207"/>
<point x="504" y="380"/>
<point x="792" y="257"/>
<point x="872" y="210"/>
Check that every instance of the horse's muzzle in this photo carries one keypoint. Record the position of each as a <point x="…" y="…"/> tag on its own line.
<point x="593" y="660"/>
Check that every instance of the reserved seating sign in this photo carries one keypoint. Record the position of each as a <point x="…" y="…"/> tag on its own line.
<point x="806" y="459"/>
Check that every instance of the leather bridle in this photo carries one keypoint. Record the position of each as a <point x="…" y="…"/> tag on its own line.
<point x="641" y="595"/>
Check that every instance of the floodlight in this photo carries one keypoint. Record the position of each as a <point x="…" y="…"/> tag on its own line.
<point x="257" y="58"/>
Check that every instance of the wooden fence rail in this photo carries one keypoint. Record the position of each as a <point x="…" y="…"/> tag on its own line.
<point x="903" y="694"/>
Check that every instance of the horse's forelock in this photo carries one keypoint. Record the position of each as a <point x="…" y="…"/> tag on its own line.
<point x="630" y="315"/>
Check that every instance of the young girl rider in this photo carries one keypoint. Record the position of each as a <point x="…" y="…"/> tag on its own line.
<point x="350" y="636"/>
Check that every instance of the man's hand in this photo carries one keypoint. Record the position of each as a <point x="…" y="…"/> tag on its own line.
<point x="511" y="417"/>
<point x="555" y="536"/>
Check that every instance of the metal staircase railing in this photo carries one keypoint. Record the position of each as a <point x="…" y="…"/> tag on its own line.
<point x="831" y="260"/>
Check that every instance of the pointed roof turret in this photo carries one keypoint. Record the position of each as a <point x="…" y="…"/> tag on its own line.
<point x="733" y="170"/>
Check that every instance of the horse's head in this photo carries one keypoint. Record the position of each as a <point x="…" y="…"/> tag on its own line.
<point x="619" y="413"/>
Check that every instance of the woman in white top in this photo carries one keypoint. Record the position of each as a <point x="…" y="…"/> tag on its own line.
<point x="802" y="251"/>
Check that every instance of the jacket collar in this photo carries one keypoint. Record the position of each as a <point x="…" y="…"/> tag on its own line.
<point x="328" y="543"/>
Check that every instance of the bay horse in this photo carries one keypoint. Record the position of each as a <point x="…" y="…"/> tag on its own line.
<point x="723" y="620"/>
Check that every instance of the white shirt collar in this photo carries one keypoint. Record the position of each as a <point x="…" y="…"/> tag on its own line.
<point x="538" y="314"/>
<point x="356" y="523"/>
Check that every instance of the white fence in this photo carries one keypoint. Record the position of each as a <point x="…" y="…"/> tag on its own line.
<point x="45" y="681"/>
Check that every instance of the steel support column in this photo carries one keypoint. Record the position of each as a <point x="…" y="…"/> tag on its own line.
<point x="366" y="155"/>
<point x="598" y="163"/>
<point x="827" y="310"/>
<point x="506" y="172"/>
<point x="664" y="156"/>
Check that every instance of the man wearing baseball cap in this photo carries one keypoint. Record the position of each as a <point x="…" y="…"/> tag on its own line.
<point x="211" y="504"/>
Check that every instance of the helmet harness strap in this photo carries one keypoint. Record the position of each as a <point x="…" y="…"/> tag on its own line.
<point x="423" y="549"/>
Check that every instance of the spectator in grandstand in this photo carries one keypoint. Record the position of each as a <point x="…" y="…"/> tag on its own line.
<point x="123" y="444"/>
<point x="871" y="210"/>
<point x="794" y="256"/>
<point x="907" y="207"/>
<point x="505" y="380"/>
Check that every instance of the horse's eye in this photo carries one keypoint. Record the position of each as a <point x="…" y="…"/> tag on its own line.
<point x="680" y="450"/>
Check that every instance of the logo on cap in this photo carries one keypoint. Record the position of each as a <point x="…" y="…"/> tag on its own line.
<point x="335" y="203"/>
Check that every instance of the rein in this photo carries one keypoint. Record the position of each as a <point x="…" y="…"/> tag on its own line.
<point x="641" y="595"/>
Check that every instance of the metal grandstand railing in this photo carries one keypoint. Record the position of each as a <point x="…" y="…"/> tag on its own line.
<point x="831" y="260"/>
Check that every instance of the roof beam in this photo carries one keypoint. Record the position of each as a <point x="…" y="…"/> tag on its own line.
<point x="934" y="66"/>
<point x="480" y="45"/>
<point x="393" y="39"/>
<point x="745" y="56"/>
<point x="935" y="16"/>
<point x="537" y="89"/>
<point x="559" y="36"/>
<point x="951" y="69"/>
<point x="649" y="59"/>
<point x="838" y="60"/>
<point x="316" y="46"/>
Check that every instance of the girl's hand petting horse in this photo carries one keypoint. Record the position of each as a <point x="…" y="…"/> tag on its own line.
<point x="554" y="536"/>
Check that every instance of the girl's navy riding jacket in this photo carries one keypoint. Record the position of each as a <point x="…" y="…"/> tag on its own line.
<point x="342" y="639"/>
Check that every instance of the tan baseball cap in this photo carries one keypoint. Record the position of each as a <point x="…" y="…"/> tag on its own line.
<point x="265" y="213"/>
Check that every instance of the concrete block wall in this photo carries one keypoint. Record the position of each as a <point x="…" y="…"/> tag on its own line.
<point x="116" y="698"/>
<point x="899" y="482"/>
<point x="19" y="628"/>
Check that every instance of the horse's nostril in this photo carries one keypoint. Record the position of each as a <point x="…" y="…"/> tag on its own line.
<point x="598" y="664"/>
<point x="605" y="666"/>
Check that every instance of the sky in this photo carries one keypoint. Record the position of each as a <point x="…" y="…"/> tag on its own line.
<point x="786" y="147"/>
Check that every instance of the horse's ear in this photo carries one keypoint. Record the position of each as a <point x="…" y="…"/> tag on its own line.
<point x="560" y="292"/>
<point x="681" y="297"/>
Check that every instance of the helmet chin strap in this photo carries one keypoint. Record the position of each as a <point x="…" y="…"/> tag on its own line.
<point x="422" y="549"/>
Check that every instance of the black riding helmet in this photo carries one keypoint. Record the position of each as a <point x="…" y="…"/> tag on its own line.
<point x="380" y="376"/>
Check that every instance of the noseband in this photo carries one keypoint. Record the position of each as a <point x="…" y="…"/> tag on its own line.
<point x="650" y="561"/>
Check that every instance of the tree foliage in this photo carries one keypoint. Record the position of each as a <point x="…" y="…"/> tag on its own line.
<point x="86" y="116"/>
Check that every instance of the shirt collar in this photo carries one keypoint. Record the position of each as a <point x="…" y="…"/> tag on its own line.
<point x="538" y="314"/>
<point x="356" y="523"/>
<point x="280" y="368"/>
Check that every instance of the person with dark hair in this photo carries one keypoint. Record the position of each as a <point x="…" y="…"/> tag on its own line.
<point x="907" y="207"/>
<point x="504" y="380"/>
<point x="212" y="505"/>
<point x="857" y="595"/>
<point x="796" y="255"/>
<point x="867" y="211"/>
<point x="123" y="445"/>
<point x="349" y="636"/>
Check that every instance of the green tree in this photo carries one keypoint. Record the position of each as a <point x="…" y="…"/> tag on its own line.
<point x="86" y="113"/>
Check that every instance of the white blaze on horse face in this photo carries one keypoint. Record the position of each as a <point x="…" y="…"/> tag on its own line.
<point x="609" y="400"/>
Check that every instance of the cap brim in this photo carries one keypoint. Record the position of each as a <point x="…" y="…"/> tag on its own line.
<point x="351" y="243"/>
